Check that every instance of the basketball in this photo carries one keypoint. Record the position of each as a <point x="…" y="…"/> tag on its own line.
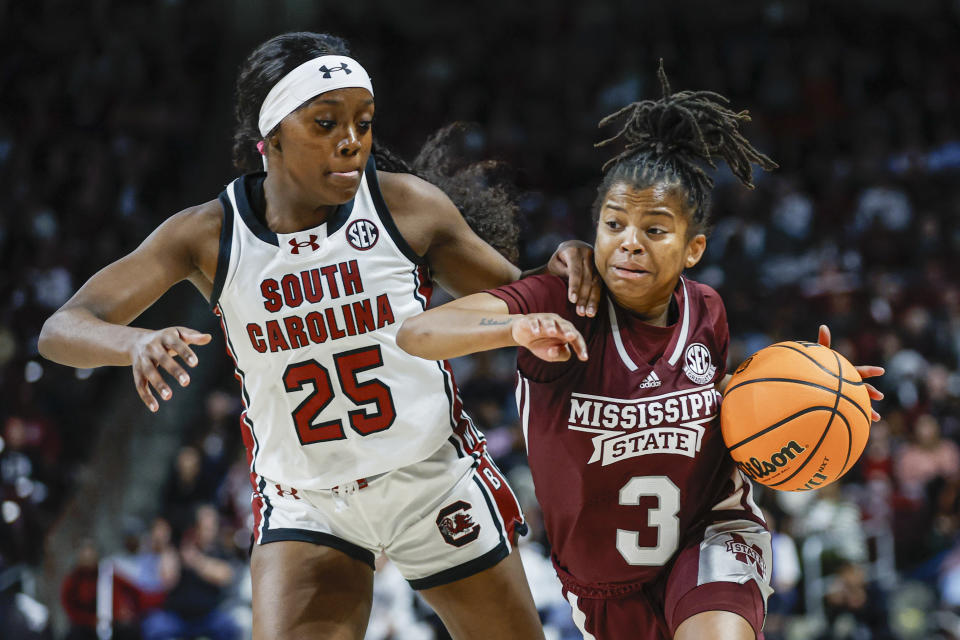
<point x="795" y="416"/>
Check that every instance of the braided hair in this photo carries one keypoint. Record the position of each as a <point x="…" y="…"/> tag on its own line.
<point x="668" y="139"/>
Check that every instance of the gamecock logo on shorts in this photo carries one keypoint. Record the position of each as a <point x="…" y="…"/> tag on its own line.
<point x="747" y="553"/>
<point x="697" y="364"/>
<point x="362" y="234"/>
<point x="456" y="524"/>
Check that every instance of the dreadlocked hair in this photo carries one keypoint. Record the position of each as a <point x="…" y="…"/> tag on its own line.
<point x="668" y="139"/>
<point x="485" y="199"/>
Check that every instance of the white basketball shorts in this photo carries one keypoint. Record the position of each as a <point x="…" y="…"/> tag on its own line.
<point x="438" y="520"/>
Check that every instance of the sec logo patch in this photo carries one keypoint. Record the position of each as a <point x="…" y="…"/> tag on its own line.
<point x="362" y="234"/>
<point x="697" y="364"/>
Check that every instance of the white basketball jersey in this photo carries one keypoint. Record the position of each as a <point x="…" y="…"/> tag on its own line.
<point x="310" y="319"/>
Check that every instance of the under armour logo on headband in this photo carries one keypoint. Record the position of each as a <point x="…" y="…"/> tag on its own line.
<point x="310" y="79"/>
<point x="326" y="72"/>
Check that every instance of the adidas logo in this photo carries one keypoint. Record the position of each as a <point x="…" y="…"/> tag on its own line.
<point x="652" y="380"/>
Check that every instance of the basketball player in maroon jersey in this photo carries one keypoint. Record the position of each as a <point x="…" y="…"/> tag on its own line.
<point x="654" y="532"/>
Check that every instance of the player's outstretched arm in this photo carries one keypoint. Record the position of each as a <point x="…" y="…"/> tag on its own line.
<point x="482" y="322"/>
<point x="90" y="330"/>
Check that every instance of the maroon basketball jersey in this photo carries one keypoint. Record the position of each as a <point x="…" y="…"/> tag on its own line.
<point x="625" y="449"/>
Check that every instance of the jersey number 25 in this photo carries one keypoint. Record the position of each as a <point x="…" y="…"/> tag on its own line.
<point x="348" y="365"/>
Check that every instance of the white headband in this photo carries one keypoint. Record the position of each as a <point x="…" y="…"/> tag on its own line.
<point x="310" y="79"/>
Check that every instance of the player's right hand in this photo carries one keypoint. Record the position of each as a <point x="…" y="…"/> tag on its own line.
<point x="573" y="260"/>
<point x="548" y="336"/>
<point x="156" y="350"/>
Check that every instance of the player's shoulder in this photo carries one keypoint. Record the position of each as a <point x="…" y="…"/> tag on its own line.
<point x="405" y="193"/>
<point x="709" y="305"/>
<point x="198" y="223"/>
<point x="421" y="211"/>
<point x="195" y="229"/>
<point x="202" y="217"/>
<point x="703" y="293"/>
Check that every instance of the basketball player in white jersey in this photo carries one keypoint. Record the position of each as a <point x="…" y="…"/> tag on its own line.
<point x="355" y="448"/>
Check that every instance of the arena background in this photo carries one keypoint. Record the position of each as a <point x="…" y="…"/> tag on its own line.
<point x="114" y="115"/>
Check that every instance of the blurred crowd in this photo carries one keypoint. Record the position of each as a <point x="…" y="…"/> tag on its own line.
<point x="96" y="110"/>
<point x="103" y="122"/>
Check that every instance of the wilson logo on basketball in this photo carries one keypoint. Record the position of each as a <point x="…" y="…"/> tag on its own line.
<point x="456" y="524"/>
<point x="698" y="365"/>
<point x="758" y="469"/>
<point x="362" y="234"/>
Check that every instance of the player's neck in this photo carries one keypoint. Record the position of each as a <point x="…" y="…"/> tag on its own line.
<point x="286" y="212"/>
<point x="658" y="314"/>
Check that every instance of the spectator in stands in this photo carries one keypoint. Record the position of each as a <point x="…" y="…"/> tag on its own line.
<point x="155" y="568"/>
<point x="877" y="460"/>
<point x="189" y="485"/>
<point x="929" y="456"/>
<point x="855" y="605"/>
<point x="79" y="596"/>
<point x="192" y="606"/>
<point x="837" y="520"/>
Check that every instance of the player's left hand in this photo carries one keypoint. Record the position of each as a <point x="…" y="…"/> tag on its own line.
<point x="865" y="371"/>
<point x="573" y="260"/>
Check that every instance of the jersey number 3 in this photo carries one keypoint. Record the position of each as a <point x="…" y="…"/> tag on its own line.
<point x="348" y="365"/>
<point x="663" y="517"/>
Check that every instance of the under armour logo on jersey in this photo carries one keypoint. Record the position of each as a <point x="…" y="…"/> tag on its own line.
<point x="456" y="524"/>
<point x="327" y="72"/>
<point x="746" y="553"/>
<point x="651" y="381"/>
<point x="362" y="234"/>
<point x="296" y="246"/>
<point x="287" y="492"/>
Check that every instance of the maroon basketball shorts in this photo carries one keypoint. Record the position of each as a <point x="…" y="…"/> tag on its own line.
<point x="729" y="570"/>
